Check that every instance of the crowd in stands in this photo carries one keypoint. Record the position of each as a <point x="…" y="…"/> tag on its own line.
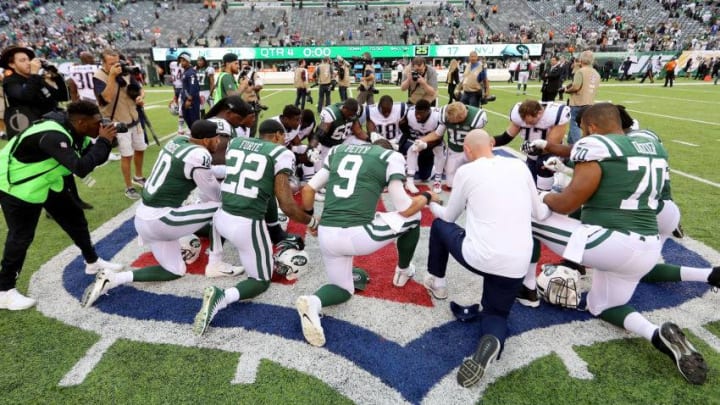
<point x="64" y="28"/>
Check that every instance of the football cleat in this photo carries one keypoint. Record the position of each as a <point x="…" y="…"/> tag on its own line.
<point x="465" y="313"/>
<point x="100" y="264"/>
<point x="473" y="368"/>
<point x="310" y="321"/>
<point x="100" y="286"/>
<point x="14" y="301"/>
<point x="528" y="297"/>
<point x="439" y="293"/>
<point x="212" y="297"/>
<point x="678" y="232"/>
<point x="410" y="185"/>
<point x="690" y="363"/>
<point x="222" y="269"/>
<point x="402" y="276"/>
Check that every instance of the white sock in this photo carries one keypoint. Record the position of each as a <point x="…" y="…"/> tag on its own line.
<point x="231" y="295"/>
<point x="123" y="277"/>
<point x="638" y="324"/>
<point x="530" y="277"/>
<point x="214" y="257"/>
<point x="315" y="303"/>
<point x="694" y="273"/>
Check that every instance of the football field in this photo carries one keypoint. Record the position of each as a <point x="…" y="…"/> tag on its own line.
<point x="386" y="345"/>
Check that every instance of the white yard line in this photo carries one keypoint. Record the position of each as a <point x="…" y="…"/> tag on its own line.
<point x="661" y="97"/>
<point x="685" y="143"/>
<point x="696" y="178"/>
<point x="675" y="118"/>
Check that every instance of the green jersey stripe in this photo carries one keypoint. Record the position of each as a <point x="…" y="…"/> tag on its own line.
<point x="551" y="229"/>
<point x="183" y="222"/>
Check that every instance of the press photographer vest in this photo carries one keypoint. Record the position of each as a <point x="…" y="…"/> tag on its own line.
<point x="470" y="82"/>
<point x="300" y="82"/>
<point x="125" y="110"/>
<point x="31" y="182"/>
<point x="345" y="81"/>
<point x="324" y="73"/>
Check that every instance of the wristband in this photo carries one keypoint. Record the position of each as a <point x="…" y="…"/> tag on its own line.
<point x="427" y="195"/>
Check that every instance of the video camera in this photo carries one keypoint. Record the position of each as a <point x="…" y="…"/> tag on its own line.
<point x="120" y="127"/>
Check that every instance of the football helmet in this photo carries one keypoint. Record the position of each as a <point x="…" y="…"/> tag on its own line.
<point x="558" y="285"/>
<point x="190" y="248"/>
<point x="290" y="262"/>
<point x="174" y="109"/>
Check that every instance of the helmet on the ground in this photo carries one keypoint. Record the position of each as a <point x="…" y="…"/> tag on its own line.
<point x="558" y="285"/>
<point x="190" y="248"/>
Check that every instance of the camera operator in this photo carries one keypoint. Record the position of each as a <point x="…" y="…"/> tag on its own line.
<point x="343" y="77"/>
<point x="420" y="82"/>
<point x="33" y="166"/>
<point x="249" y="85"/>
<point x="34" y="88"/>
<point x="118" y="95"/>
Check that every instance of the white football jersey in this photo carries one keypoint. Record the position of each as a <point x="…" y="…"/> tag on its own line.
<point x="289" y="135"/>
<point x="307" y="131"/>
<point x="177" y="74"/>
<point x="419" y="129"/>
<point x="554" y="114"/>
<point x="388" y="127"/>
<point x="82" y="75"/>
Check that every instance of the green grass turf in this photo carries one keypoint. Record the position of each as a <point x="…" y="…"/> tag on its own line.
<point x="37" y="352"/>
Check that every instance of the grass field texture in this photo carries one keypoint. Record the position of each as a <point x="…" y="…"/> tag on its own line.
<point x="37" y="351"/>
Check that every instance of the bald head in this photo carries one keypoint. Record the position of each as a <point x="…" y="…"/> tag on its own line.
<point x="478" y="144"/>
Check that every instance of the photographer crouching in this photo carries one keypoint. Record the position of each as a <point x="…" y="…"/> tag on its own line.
<point x="34" y="88"/>
<point x="249" y="86"/>
<point x="367" y="90"/>
<point x="118" y="95"/>
<point x="33" y="168"/>
<point x="420" y="82"/>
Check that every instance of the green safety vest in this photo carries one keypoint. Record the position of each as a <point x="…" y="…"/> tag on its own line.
<point x="31" y="182"/>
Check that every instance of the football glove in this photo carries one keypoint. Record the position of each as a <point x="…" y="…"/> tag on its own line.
<point x="556" y="164"/>
<point x="419" y="145"/>
<point x="313" y="155"/>
<point x="374" y="136"/>
<point x="530" y="150"/>
<point x="539" y="144"/>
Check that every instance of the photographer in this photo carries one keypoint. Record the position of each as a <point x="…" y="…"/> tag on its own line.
<point x="420" y="82"/>
<point x="324" y="76"/>
<point x="118" y="95"/>
<point x="367" y="90"/>
<point x="33" y="166"/>
<point x="475" y="85"/>
<point x="249" y="86"/>
<point x="343" y="77"/>
<point x="34" y="88"/>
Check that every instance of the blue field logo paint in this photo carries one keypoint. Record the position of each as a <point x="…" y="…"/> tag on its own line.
<point x="397" y="352"/>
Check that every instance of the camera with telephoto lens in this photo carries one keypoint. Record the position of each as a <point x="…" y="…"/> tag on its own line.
<point x="127" y="69"/>
<point x="48" y="66"/>
<point x="487" y="99"/>
<point x="120" y="127"/>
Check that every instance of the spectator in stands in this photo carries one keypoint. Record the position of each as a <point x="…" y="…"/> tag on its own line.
<point x="118" y="95"/>
<point x="420" y="81"/>
<point x="582" y="91"/>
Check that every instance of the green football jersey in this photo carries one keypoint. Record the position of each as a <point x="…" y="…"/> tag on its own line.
<point x="252" y="165"/>
<point x="340" y="128"/>
<point x="358" y="175"/>
<point x="170" y="181"/>
<point x="666" y="193"/>
<point x="633" y="176"/>
<point x="203" y="79"/>
<point x="476" y="118"/>
<point x="225" y="84"/>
